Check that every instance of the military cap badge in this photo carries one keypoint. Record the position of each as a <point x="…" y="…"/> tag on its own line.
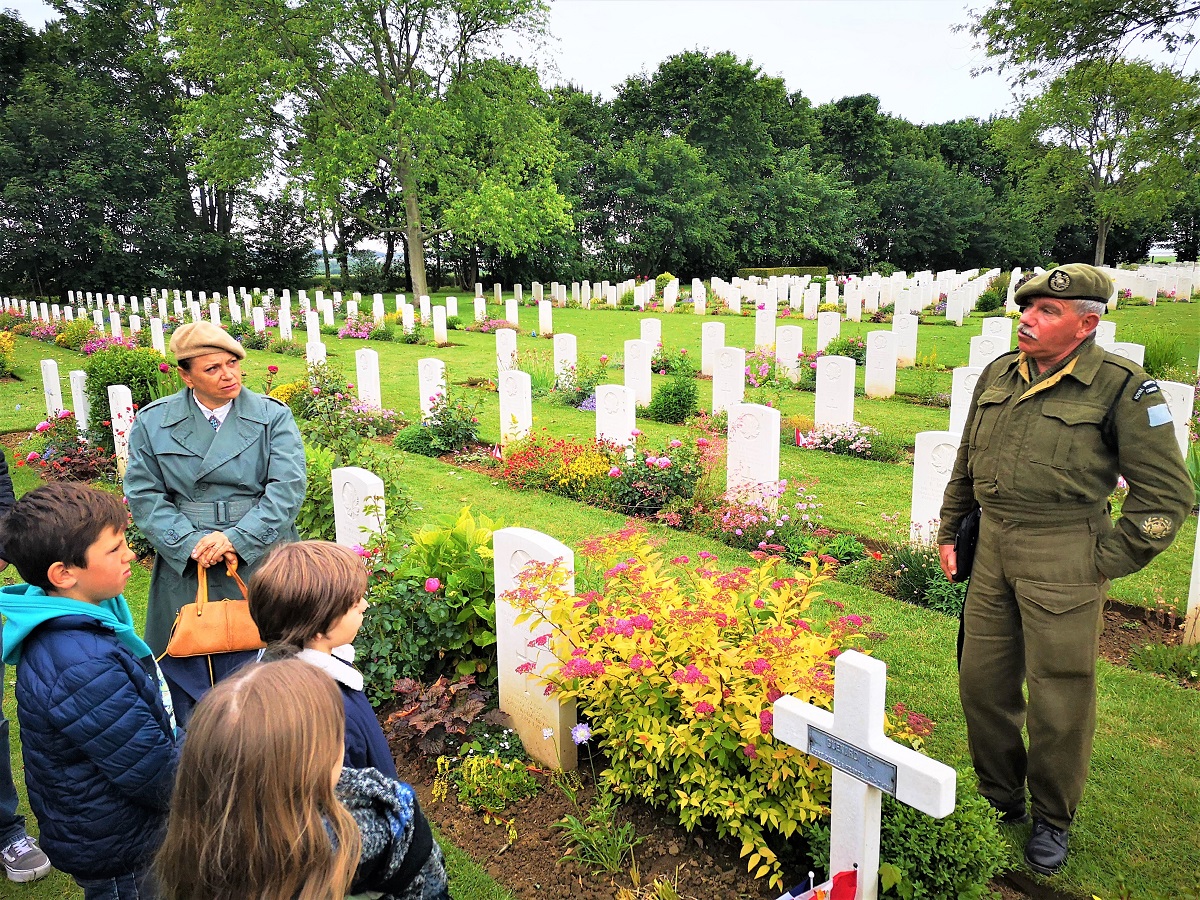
<point x="1059" y="281"/>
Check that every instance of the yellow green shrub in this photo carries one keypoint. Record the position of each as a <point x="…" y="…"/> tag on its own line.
<point x="677" y="666"/>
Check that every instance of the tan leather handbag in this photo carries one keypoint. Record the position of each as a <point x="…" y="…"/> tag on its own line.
<point x="214" y="626"/>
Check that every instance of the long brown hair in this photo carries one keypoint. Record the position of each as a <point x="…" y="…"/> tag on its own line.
<point x="302" y="588"/>
<point x="254" y="808"/>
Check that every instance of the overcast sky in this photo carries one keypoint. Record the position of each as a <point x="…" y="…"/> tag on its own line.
<point x="903" y="51"/>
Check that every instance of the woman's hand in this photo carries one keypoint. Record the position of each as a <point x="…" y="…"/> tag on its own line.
<point x="212" y="549"/>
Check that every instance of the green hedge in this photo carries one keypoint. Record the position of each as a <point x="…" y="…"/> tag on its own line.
<point x="814" y="271"/>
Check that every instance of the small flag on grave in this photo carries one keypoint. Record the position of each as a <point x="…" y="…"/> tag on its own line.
<point x="843" y="886"/>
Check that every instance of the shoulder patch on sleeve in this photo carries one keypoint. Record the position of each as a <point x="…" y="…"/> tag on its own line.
<point x="1159" y="415"/>
<point x="1148" y="387"/>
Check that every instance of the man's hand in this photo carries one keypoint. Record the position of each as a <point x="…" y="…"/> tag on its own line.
<point x="211" y="549"/>
<point x="949" y="560"/>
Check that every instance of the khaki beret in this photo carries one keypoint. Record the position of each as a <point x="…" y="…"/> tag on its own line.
<point x="199" y="338"/>
<point x="1074" y="281"/>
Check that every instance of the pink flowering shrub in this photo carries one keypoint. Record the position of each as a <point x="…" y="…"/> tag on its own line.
<point x="851" y="439"/>
<point x="677" y="667"/>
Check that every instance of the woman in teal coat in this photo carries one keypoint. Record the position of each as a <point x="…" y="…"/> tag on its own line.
<point x="215" y="471"/>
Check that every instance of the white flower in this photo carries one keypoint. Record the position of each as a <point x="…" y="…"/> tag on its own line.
<point x="547" y="733"/>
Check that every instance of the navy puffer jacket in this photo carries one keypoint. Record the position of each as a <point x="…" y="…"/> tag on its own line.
<point x="100" y="753"/>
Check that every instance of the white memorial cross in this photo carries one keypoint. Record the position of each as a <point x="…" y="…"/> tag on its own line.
<point x="865" y="764"/>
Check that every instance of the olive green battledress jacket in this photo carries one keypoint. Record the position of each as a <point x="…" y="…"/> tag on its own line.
<point x="1049" y="452"/>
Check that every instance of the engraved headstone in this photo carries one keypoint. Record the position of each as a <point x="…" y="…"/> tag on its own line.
<point x="424" y="305"/>
<point x="525" y="651"/>
<point x="480" y="309"/>
<point x="933" y="462"/>
<point x="829" y="326"/>
<point x="516" y="405"/>
<point x="616" y="414"/>
<point x="835" y="391"/>
<point x="366" y="370"/>
<point x="51" y="388"/>
<point x="120" y="413"/>
<point x="440" y="334"/>
<point x="358" y="509"/>
<point x="879" y="380"/>
<point x="638" y="355"/>
<point x="984" y="349"/>
<point x="712" y="339"/>
<point x="729" y="378"/>
<point x="79" y="399"/>
<point x="789" y="345"/>
<point x="1134" y="352"/>
<point x="1181" y="399"/>
<point x="512" y="310"/>
<point x="904" y="326"/>
<point x="506" y="349"/>
<point x="545" y="317"/>
<point x="962" y="388"/>
<point x="315" y="352"/>
<point x="651" y="331"/>
<point x="752" y="461"/>
<point x="565" y="355"/>
<point x="431" y="382"/>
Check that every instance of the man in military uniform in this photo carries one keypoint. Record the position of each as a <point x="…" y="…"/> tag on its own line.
<point x="1050" y="428"/>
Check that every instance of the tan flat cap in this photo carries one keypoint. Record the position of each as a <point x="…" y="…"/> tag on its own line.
<point x="199" y="338"/>
<point x="1074" y="281"/>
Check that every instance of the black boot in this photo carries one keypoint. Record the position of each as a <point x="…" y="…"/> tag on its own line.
<point x="1046" y="850"/>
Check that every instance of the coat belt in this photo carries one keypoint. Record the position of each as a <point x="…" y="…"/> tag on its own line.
<point x="215" y="513"/>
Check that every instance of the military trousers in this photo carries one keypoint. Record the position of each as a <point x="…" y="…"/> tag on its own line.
<point x="1033" y="616"/>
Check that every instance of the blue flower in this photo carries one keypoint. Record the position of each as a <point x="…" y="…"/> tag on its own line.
<point x="581" y="734"/>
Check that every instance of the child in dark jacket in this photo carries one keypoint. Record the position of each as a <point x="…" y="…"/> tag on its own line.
<point x="263" y="808"/>
<point x="308" y="599"/>
<point x="97" y="732"/>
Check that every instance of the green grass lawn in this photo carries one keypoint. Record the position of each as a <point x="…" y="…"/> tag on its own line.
<point x="1143" y="794"/>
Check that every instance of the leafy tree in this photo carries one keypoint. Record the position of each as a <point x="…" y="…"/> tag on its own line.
<point x="1045" y="37"/>
<point x="407" y="91"/>
<point x="1104" y="144"/>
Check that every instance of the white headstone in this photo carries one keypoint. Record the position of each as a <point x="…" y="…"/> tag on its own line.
<point x="752" y="462"/>
<point x="135" y="324"/>
<point x="1131" y="351"/>
<point x="431" y="382"/>
<point x="904" y="326"/>
<point x="358" y="510"/>
<point x="285" y="323"/>
<point x="312" y="325"/>
<point x="79" y="399"/>
<point x="1000" y="328"/>
<point x="512" y="310"/>
<point x="51" y="388"/>
<point x="98" y="318"/>
<point x="366" y="371"/>
<point x="120" y="413"/>
<point x="506" y="349"/>
<point x="651" y="331"/>
<point x="565" y="354"/>
<point x="545" y="317"/>
<point x="522" y="695"/>
<point x="764" y="325"/>
<point x="729" y="378"/>
<point x="1181" y="399"/>
<point x="315" y="352"/>
<point x="1106" y="333"/>
<point x="865" y="762"/>
<point x="616" y="414"/>
<point x="480" y="309"/>
<point x="408" y="318"/>
<point x="789" y="344"/>
<point x="426" y="315"/>
<point x="451" y="307"/>
<point x="156" y="336"/>
<point x="962" y="388"/>
<point x="638" y="355"/>
<point x="516" y="405"/>
<point x="984" y="349"/>
<point x="829" y="326"/>
<point x="712" y="339"/>
<point x="440" y="335"/>
<point x="933" y="462"/>
<point x="879" y="380"/>
<point x="835" y="391"/>
<point x="378" y="310"/>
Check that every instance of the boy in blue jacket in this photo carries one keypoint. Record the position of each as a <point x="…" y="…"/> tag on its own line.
<point x="98" y="735"/>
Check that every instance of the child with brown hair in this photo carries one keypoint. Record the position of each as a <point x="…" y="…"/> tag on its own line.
<point x="308" y="598"/>
<point x="263" y="808"/>
<point x="97" y="732"/>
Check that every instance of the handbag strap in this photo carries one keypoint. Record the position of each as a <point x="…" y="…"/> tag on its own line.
<point x="202" y="584"/>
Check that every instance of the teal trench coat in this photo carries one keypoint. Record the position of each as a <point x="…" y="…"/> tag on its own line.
<point x="184" y="480"/>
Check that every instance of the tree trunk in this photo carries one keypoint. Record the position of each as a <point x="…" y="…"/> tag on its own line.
<point x="324" y="245"/>
<point x="412" y="230"/>
<point x="389" y="256"/>
<point x="1102" y="226"/>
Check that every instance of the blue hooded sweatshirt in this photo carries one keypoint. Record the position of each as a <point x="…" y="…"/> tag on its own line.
<point x="99" y="742"/>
